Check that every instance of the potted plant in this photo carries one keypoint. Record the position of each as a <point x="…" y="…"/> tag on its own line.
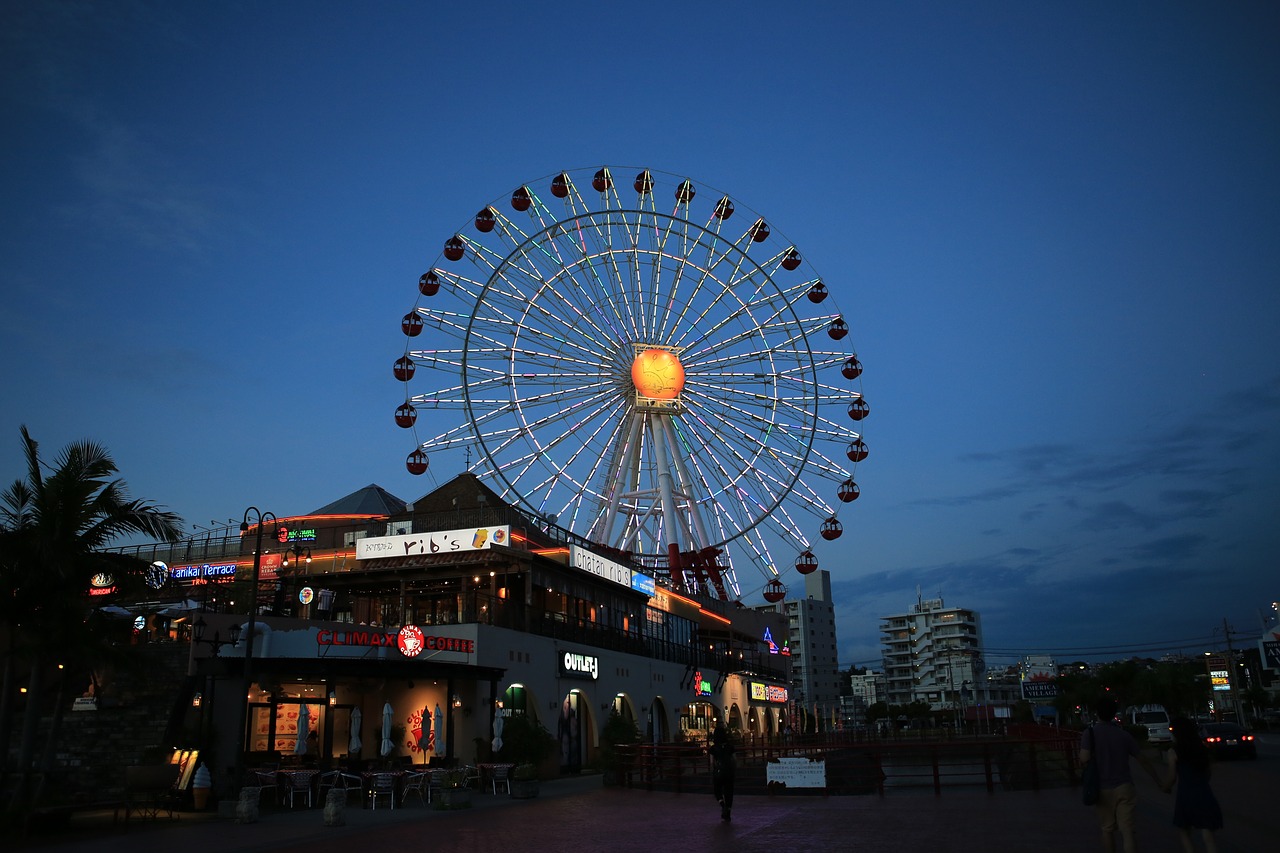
<point x="617" y="730"/>
<point x="454" y="793"/>
<point x="524" y="782"/>
<point x="526" y="744"/>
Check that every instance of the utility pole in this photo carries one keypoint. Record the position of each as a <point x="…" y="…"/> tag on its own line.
<point x="1231" y="672"/>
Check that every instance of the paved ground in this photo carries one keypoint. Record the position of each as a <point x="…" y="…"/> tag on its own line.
<point x="580" y="814"/>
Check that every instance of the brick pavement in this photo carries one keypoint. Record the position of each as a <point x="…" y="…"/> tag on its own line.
<point x="580" y="814"/>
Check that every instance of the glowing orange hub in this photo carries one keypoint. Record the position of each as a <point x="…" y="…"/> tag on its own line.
<point x="658" y="374"/>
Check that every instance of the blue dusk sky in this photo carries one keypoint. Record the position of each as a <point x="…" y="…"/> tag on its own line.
<point x="1054" y="229"/>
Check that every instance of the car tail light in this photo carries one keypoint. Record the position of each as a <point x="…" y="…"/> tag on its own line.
<point x="1247" y="737"/>
<point x="1212" y="739"/>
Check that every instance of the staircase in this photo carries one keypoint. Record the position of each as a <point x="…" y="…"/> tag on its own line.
<point x="141" y="719"/>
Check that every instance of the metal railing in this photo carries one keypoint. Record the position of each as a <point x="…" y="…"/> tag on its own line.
<point x="860" y="765"/>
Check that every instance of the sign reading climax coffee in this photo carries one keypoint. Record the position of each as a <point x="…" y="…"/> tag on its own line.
<point x="376" y="639"/>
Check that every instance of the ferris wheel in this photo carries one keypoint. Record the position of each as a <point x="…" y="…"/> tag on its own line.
<point x="647" y="365"/>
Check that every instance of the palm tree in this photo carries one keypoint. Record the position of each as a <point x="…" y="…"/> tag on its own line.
<point x="54" y="523"/>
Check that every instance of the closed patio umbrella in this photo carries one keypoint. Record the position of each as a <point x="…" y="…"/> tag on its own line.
<point x="354" y="745"/>
<point x="437" y="723"/>
<point x="304" y="728"/>
<point x="387" y="745"/>
<point x="498" y="722"/>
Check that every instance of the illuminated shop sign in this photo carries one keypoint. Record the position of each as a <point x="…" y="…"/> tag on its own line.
<point x="774" y="649"/>
<point x="761" y="692"/>
<point x="701" y="686"/>
<point x="1220" y="679"/>
<point x="643" y="583"/>
<point x="589" y="561"/>
<point x="573" y="665"/>
<point x="305" y="534"/>
<point x="409" y="647"/>
<point x="305" y="595"/>
<point x="102" y="584"/>
<point x="437" y="542"/>
<point x="207" y="571"/>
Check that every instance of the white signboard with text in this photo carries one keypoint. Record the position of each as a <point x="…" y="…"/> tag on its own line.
<point x="435" y="542"/>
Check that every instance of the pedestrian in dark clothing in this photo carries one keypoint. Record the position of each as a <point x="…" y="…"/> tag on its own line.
<point x="722" y="769"/>
<point x="1194" y="806"/>
<point x="1118" y="798"/>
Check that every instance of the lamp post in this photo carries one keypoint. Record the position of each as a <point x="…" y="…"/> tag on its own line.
<point x="215" y="645"/>
<point x="301" y="558"/>
<point x="263" y="519"/>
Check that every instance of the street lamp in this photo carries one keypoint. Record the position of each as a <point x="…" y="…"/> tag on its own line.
<point x="302" y="558"/>
<point x="216" y="644"/>
<point x="263" y="519"/>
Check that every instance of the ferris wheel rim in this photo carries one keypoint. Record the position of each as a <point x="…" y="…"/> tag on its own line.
<point x="785" y="500"/>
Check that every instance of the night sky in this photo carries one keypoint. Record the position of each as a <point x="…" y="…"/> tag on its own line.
<point x="1053" y="228"/>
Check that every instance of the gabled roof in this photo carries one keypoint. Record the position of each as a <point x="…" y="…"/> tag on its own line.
<point x="371" y="500"/>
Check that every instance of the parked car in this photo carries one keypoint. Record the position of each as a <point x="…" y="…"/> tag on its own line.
<point x="1152" y="718"/>
<point x="1229" y="740"/>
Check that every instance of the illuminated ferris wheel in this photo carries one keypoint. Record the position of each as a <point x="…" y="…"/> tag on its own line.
<point x="648" y="366"/>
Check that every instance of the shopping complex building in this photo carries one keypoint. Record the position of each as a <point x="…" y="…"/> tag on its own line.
<point x="411" y="630"/>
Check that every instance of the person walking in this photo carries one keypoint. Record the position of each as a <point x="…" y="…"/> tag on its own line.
<point x="1194" y="806"/>
<point x="1112" y="746"/>
<point x="722" y="769"/>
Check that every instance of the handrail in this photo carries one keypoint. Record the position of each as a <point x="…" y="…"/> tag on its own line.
<point x="865" y="766"/>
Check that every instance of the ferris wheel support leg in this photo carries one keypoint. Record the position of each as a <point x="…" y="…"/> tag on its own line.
<point x="699" y="532"/>
<point x="670" y="527"/>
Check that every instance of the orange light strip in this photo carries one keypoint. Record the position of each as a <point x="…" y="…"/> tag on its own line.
<point x="547" y="551"/>
<point x="352" y="517"/>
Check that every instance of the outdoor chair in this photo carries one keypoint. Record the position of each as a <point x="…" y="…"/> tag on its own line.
<point x="266" y="779"/>
<point x="299" y="786"/>
<point x="436" y="782"/>
<point x="382" y="787"/>
<point x="471" y="777"/>
<point x="502" y="776"/>
<point x="346" y="782"/>
<point x="415" y="783"/>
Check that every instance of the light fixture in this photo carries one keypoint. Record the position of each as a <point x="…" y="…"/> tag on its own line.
<point x="333" y="698"/>
<point x="196" y="700"/>
<point x="457" y="701"/>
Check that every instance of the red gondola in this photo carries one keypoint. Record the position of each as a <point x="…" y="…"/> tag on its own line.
<point x="644" y="183"/>
<point x="486" y="220"/>
<point x="852" y="368"/>
<point x="454" y="248"/>
<point x="791" y="260"/>
<point x="406" y="415"/>
<point x="831" y="528"/>
<point x="774" y="591"/>
<point x="417" y="462"/>
<point x="602" y="181"/>
<point x="857" y="450"/>
<point x="685" y="192"/>
<point x="429" y="284"/>
<point x="818" y="292"/>
<point x="404" y="368"/>
<point x="760" y="231"/>
<point x="724" y="209"/>
<point x="521" y="200"/>
<point x="838" y="329"/>
<point x="411" y="324"/>
<point x="859" y="409"/>
<point x="849" y="491"/>
<point x="806" y="563"/>
<point x="560" y="186"/>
